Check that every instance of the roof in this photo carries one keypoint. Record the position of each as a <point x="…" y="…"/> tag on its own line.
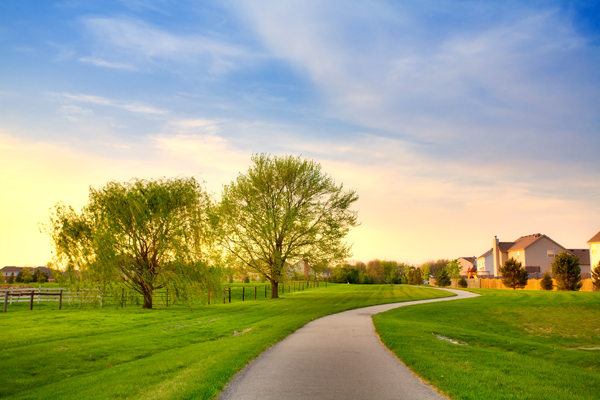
<point x="583" y="254"/>
<point x="16" y="270"/>
<point x="525" y="241"/>
<point x="469" y="259"/>
<point x="595" y="238"/>
<point x="485" y="254"/>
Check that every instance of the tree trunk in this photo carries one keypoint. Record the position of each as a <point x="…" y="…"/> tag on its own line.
<point x="274" y="290"/>
<point x="147" y="299"/>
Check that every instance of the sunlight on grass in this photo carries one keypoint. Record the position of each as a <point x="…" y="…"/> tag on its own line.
<point x="519" y="344"/>
<point x="166" y="353"/>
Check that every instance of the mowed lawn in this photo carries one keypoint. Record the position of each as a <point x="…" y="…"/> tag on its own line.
<point x="520" y="344"/>
<point x="167" y="353"/>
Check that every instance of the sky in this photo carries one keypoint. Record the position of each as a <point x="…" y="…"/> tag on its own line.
<point x="455" y="121"/>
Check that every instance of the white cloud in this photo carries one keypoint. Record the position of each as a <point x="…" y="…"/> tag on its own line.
<point x="136" y="107"/>
<point x="139" y="42"/>
<point x="103" y="63"/>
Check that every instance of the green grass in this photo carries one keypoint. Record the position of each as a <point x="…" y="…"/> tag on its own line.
<point x="166" y="353"/>
<point x="520" y="344"/>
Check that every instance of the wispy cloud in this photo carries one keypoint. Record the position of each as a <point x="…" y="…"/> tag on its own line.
<point x="524" y="76"/>
<point x="138" y="42"/>
<point x="135" y="107"/>
<point x="107" y="64"/>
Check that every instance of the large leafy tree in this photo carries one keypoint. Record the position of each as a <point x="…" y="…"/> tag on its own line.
<point x="566" y="271"/>
<point x="283" y="210"/>
<point x="146" y="234"/>
<point x="513" y="276"/>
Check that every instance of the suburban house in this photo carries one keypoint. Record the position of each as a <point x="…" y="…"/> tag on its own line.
<point x="535" y="252"/>
<point x="594" y="249"/>
<point x="584" y="258"/>
<point x="8" y="271"/>
<point x="467" y="263"/>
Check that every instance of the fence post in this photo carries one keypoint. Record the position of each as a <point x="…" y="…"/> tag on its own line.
<point x="5" y="300"/>
<point x="122" y="297"/>
<point x="11" y="295"/>
<point x="167" y="297"/>
<point x="209" y="297"/>
<point x="230" y="295"/>
<point x="255" y="290"/>
<point x="224" y="290"/>
<point x="39" y="295"/>
<point x="60" y="300"/>
<point x="243" y="292"/>
<point x="265" y="291"/>
<point x="31" y="301"/>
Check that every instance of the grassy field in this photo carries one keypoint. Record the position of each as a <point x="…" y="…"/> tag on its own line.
<point x="166" y="353"/>
<point x="520" y="344"/>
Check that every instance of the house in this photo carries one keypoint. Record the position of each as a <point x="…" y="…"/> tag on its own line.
<point x="594" y="249"/>
<point x="584" y="258"/>
<point x="467" y="263"/>
<point x="8" y="271"/>
<point x="535" y="252"/>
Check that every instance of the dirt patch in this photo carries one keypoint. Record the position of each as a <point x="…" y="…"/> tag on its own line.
<point x="16" y="287"/>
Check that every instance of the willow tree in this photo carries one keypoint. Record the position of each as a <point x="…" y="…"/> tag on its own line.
<point x="146" y="234"/>
<point x="285" y="210"/>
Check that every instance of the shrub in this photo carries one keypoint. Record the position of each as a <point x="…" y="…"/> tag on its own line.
<point x="546" y="282"/>
<point x="246" y="279"/>
<point x="11" y="278"/>
<point x="596" y="276"/>
<point x="566" y="270"/>
<point x="462" y="282"/>
<point x="513" y="276"/>
<point x="442" y="279"/>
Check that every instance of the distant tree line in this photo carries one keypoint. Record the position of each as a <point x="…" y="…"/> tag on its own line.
<point x="379" y="272"/>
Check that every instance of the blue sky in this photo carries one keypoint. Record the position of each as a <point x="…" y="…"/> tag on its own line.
<point x="455" y="121"/>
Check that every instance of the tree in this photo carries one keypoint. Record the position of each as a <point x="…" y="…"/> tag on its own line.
<point x="442" y="279"/>
<point x="415" y="276"/>
<point x="513" y="275"/>
<point x="425" y="271"/>
<point x="25" y="275"/>
<point x="596" y="276"/>
<point x="285" y="209"/>
<point x="145" y="234"/>
<point x="462" y="282"/>
<point x="566" y="271"/>
<point x="11" y="278"/>
<point x="453" y="268"/>
<point x="546" y="282"/>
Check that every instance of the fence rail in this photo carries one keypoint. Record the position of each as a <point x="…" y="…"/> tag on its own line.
<point x="126" y="297"/>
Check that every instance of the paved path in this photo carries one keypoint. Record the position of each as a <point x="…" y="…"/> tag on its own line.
<point x="334" y="357"/>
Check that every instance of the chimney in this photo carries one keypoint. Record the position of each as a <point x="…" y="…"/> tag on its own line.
<point x="496" y="255"/>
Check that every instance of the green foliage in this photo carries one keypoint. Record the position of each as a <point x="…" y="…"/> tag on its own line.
<point x="442" y="279"/>
<point x="566" y="271"/>
<point x="453" y="268"/>
<point x="347" y="273"/>
<point x="2" y="279"/>
<point x="596" y="276"/>
<point x="414" y="276"/>
<point x="246" y="279"/>
<point x="462" y="282"/>
<point x="546" y="282"/>
<point x="285" y="210"/>
<point x="11" y="279"/>
<point x="513" y="276"/>
<point x="425" y="271"/>
<point x="25" y="276"/>
<point x="144" y="234"/>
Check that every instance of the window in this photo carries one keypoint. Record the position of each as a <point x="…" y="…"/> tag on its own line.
<point x="550" y="253"/>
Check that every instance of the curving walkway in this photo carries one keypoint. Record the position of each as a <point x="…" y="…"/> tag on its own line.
<point x="334" y="357"/>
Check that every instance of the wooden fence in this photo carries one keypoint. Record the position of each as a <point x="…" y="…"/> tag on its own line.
<point x="125" y="298"/>
<point x="496" y="283"/>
